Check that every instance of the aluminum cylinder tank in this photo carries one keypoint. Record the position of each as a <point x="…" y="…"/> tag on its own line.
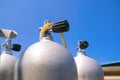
<point x="46" y="60"/>
<point x="7" y="62"/>
<point x="88" y="68"/>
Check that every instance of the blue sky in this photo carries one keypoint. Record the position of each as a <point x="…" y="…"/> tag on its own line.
<point x="97" y="21"/>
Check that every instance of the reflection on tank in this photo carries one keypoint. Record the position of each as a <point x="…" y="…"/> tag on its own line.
<point x="46" y="59"/>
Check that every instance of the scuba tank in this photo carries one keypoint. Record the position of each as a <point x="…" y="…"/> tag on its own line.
<point x="46" y="59"/>
<point x="87" y="67"/>
<point x="7" y="60"/>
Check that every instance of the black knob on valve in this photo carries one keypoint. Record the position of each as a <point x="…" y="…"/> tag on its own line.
<point x="61" y="26"/>
<point x="16" y="47"/>
<point x="83" y="44"/>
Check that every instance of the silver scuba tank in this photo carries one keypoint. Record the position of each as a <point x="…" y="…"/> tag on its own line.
<point x="46" y="60"/>
<point x="7" y="60"/>
<point x="87" y="67"/>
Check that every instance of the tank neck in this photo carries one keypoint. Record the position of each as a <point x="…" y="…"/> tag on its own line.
<point x="81" y="53"/>
<point x="7" y="52"/>
<point x="47" y="37"/>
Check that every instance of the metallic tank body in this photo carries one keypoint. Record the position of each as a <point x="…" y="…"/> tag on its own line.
<point x="46" y="60"/>
<point x="7" y="62"/>
<point x="88" y="68"/>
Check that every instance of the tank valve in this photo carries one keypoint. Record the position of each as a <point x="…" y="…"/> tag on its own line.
<point x="82" y="44"/>
<point x="9" y="34"/>
<point x="8" y="46"/>
<point x="57" y="27"/>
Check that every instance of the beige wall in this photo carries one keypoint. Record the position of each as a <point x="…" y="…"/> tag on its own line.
<point x="112" y="77"/>
<point x="111" y="72"/>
